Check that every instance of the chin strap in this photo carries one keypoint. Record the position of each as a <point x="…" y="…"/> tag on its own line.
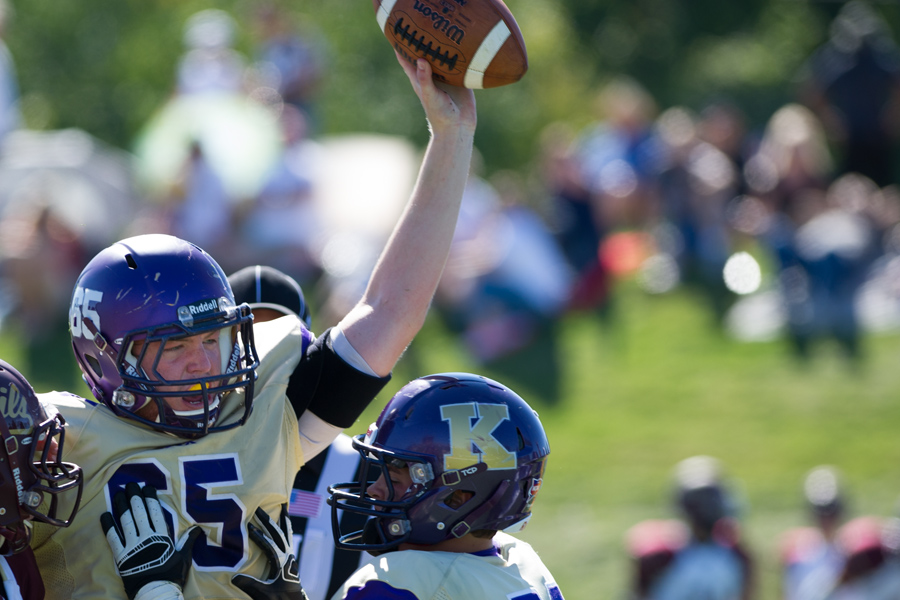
<point x="10" y="444"/>
<point x="100" y="341"/>
<point x="372" y="534"/>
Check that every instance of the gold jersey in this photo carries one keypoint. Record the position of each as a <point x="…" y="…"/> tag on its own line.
<point x="216" y="481"/>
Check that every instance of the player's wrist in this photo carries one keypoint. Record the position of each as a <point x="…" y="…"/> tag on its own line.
<point x="160" y="590"/>
<point x="455" y="133"/>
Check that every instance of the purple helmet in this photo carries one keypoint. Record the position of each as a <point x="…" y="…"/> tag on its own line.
<point x="159" y="288"/>
<point x="29" y="475"/>
<point x="454" y="431"/>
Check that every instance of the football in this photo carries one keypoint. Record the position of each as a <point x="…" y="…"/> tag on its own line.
<point x="470" y="43"/>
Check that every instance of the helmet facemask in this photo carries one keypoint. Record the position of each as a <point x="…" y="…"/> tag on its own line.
<point x="388" y="523"/>
<point x="143" y="384"/>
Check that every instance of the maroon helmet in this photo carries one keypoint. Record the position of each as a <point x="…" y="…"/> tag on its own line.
<point x="33" y="476"/>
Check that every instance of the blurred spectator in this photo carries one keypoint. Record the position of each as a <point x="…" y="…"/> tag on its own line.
<point x="51" y="185"/>
<point x="852" y="82"/>
<point x="697" y="182"/>
<point x="200" y="209"/>
<point x="837" y="248"/>
<point x="825" y="264"/>
<point x="279" y="227"/>
<point x="574" y="221"/>
<point x="652" y="546"/>
<point x="822" y="238"/>
<point x="871" y="570"/>
<point x="707" y="560"/>
<point x="40" y="258"/>
<point x="506" y="277"/>
<point x="208" y="148"/>
<point x="811" y="559"/>
<point x="294" y="54"/>
<point x="839" y="558"/>
<point x="210" y="65"/>
<point x="723" y="125"/>
<point x="619" y="156"/>
<point x="10" y="115"/>
<point x="793" y="156"/>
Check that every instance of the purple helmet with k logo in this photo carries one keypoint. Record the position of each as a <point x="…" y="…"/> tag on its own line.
<point x="455" y="432"/>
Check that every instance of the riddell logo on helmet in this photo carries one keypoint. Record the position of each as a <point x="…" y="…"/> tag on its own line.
<point x="20" y="487"/>
<point x="204" y="307"/>
<point x="233" y="361"/>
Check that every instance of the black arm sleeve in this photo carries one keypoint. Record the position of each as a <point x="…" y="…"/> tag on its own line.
<point x="333" y="390"/>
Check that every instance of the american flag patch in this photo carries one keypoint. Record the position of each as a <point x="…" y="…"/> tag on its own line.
<point x="305" y="504"/>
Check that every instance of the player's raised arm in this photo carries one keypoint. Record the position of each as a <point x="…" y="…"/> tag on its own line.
<point x="395" y="303"/>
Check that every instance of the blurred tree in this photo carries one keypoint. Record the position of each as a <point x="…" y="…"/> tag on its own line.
<point x="106" y="65"/>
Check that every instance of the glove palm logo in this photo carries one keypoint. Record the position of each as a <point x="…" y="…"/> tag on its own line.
<point x="149" y="554"/>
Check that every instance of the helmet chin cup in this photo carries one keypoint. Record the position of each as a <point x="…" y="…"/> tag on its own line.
<point x="373" y="537"/>
<point x="371" y="533"/>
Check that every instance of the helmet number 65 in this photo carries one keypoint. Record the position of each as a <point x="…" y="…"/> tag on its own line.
<point x="83" y="302"/>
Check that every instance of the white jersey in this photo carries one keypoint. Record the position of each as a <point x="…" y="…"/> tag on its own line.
<point x="512" y="569"/>
<point x="216" y="481"/>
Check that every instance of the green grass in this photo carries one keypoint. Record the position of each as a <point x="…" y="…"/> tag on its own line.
<point x="624" y="400"/>
<point x="657" y="384"/>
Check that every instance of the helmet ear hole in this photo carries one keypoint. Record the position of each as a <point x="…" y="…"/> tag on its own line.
<point x="458" y="498"/>
<point x="94" y="364"/>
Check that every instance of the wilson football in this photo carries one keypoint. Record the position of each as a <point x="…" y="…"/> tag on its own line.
<point x="469" y="43"/>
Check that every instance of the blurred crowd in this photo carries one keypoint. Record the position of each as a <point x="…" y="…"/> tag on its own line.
<point x="788" y="229"/>
<point x="703" y="552"/>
